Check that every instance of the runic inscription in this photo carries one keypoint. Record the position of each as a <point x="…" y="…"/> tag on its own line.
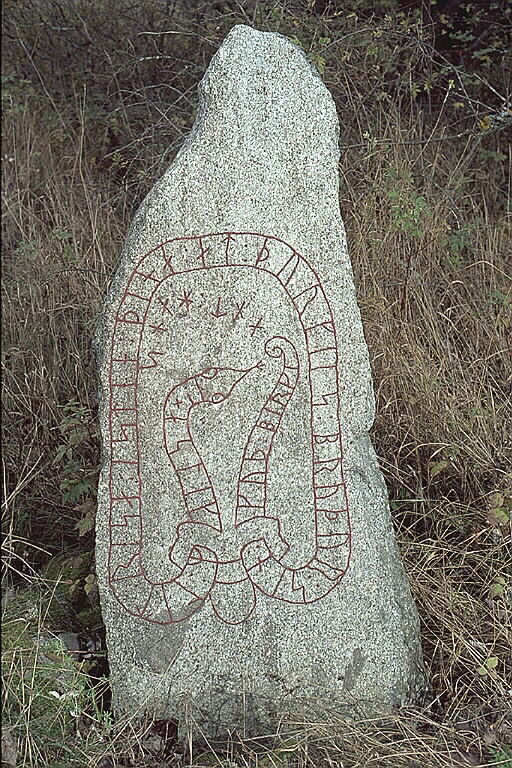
<point x="206" y="558"/>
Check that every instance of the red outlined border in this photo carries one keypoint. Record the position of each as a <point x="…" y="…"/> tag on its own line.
<point x="143" y="596"/>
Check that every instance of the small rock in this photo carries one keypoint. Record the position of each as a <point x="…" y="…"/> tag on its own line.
<point x="9" y="749"/>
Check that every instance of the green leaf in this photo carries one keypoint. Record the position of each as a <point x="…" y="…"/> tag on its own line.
<point x="85" y="524"/>
<point x="498" y="516"/>
<point x="452" y="451"/>
<point x="498" y="586"/>
<point x="59" y="454"/>
<point x="488" y="666"/>
<point x="77" y="436"/>
<point x="496" y="499"/>
<point x="90" y="583"/>
<point x="438" y="467"/>
<point x="295" y="40"/>
<point x="62" y="234"/>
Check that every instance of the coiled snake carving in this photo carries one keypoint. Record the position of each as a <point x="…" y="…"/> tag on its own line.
<point x="209" y="563"/>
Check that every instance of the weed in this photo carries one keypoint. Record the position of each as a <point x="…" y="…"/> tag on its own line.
<point x="77" y="429"/>
<point x="409" y="210"/>
<point x="45" y="691"/>
<point x="501" y="756"/>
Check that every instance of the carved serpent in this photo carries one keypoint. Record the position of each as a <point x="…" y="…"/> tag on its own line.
<point x="209" y="562"/>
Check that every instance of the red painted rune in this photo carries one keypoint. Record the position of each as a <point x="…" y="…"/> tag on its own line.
<point x="186" y="299"/>
<point x="256" y="327"/>
<point x="217" y="311"/>
<point x="238" y="311"/>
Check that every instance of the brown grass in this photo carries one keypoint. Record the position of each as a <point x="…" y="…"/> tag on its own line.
<point x="94" y="109"/>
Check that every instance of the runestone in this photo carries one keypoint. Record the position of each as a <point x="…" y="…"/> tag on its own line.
<point x="246" y="558"/>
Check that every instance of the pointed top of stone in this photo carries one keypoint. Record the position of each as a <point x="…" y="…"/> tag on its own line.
<point x="262" y="67"/>
<point x="266" y="83"/>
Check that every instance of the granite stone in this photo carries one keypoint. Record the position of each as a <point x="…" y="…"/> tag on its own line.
<point x="245" y="553"/>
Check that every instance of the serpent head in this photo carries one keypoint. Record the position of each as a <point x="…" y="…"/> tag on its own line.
<point x="217" y="384"/>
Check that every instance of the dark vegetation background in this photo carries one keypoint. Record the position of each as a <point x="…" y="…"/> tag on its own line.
<point x="97" y="98"/>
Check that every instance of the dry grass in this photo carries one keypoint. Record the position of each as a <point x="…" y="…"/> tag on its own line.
<point x="94" y="109"/>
